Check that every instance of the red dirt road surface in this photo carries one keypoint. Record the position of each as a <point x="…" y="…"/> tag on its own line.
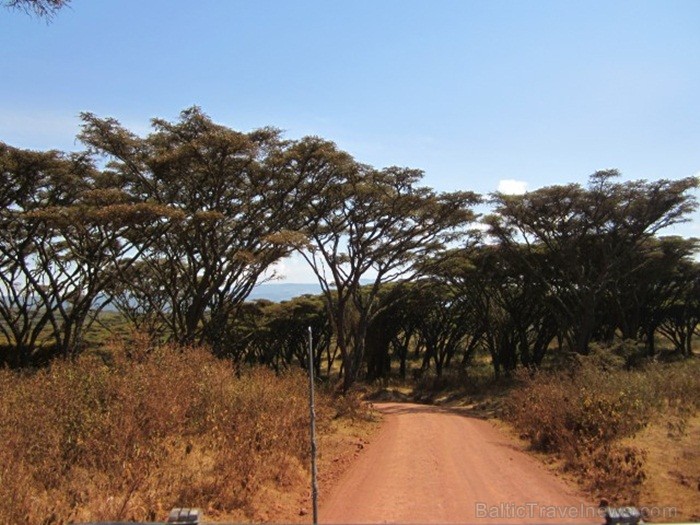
<point x="430" y="464"/>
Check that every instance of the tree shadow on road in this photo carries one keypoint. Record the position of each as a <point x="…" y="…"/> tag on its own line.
<point x="474" y="411"/>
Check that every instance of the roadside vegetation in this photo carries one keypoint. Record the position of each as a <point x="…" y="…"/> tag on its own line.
<point x="593" y="414"/>
<point x="132" y="432"/>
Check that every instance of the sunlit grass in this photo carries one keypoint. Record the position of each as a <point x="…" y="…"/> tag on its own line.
<point x="588" y="414"/>
<point x="109" y="437"/>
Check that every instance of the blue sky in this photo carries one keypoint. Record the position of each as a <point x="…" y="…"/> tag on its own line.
<point x="474" y="93"/>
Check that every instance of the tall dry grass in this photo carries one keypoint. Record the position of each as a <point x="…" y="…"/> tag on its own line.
<point x="129" y="435"/>
<point x="585" y="414"/>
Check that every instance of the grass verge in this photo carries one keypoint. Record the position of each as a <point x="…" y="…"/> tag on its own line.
<point x="615" y="428"/>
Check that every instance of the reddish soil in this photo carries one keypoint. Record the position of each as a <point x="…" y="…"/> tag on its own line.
<point x="430" y="464"/>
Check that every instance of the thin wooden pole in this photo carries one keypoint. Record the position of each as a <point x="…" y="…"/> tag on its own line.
<point x="312" y="412"/>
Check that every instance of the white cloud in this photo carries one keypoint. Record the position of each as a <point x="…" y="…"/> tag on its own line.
<point x="512" y="186"/>
<point x="293" y="269"/>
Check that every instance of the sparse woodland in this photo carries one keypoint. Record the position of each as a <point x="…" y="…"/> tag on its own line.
<point x="174" y="229"/>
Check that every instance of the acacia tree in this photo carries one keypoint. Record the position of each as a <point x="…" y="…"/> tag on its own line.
<point x="237" y="194"/>
<point x="287" y="324"/>
<point x="41" y="8"/>
<point x="93" y="243"/>
<point x="140" y="298"/>
<point x="655" y="276"/>
<point x="249" y="340"/>
<point x="395" y="324"/>
<point x="370" y="227"/>
<point x="445" y="325"/>
<point x="586" y="236"/>
<point x="527" y="305"/>
<point x="507" y="311"/>
<point x="25" y="307"/>
<point x="681" y="311"/>
<point x="67" y="234"/>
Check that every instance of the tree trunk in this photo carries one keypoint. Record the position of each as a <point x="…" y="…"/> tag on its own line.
<point x="584" y="330"/>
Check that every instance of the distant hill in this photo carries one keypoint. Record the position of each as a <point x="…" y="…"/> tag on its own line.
<point x="283" y="291"/>
<point x="271" y="291"/>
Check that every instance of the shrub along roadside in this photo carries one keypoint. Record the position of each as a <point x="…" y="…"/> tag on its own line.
<point x="584" y="416"/>
<point x="122" y="438"/>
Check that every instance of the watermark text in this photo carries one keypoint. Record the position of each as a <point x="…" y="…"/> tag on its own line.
<point x="535" y="510"/>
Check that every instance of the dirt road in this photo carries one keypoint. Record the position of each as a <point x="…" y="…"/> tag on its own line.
<point x="436" y="465"/>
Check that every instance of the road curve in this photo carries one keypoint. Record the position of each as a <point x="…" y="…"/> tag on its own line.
<point x="430" y="464"/>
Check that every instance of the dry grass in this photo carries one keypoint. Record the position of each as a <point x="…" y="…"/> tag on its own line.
<point x="589" y="415"/>
<point x="673" y="467"/>
<point x="130" y="434"/>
